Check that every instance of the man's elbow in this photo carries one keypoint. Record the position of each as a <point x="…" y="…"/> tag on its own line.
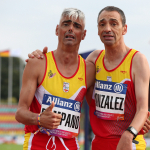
<point x="17" y="115"/>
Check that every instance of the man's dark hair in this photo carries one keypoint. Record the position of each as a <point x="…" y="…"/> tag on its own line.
<point x="113" y="8"/>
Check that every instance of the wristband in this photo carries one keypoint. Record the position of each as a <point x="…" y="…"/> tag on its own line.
<point x="41" y="128"/>
<point x="38" y="119"/>
<point x="133" y="131"/>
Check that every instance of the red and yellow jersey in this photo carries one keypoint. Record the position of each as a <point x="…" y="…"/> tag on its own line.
<point x="59" y="87"/>
<point x="113" y="104"/>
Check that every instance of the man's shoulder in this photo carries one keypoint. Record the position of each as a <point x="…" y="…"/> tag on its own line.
<point x="93" y="56"/>
<point x="139" y="56"/>
<point x="35" y="64"/>
<point x="35" y="69"/>
<point x="139" y="61"/>
<point x="96" y="52"/>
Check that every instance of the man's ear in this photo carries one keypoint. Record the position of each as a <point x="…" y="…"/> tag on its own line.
<point x="56" y="31"/>
<point x="124" y="30"/>
<point x="84" y="34"/>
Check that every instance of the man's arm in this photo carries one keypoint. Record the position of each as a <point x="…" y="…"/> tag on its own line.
<point x="89" y="94"/>
<point x="90" y="78"/>
<point x="90" y="71"/>
<point x="140" y="76"/>
<point x="141" y="83"/>
<point x="32" y="76"/>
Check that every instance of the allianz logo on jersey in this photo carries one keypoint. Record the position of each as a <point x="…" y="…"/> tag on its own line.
<point x="62" y="102"/>
<point x="109" y="86"/>
<point x="118" y="88"/>
<point x="77" y="106"/>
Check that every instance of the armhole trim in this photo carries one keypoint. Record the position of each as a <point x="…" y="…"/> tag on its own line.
<point x="45" y="71"/>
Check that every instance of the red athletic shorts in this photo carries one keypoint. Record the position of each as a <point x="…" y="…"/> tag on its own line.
<point x="111" y="144"/>
<point x="44" y="142"/>
<point x="104" y="144"/>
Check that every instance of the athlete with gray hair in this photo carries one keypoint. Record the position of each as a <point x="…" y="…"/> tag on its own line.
<point x="53" y="89"/>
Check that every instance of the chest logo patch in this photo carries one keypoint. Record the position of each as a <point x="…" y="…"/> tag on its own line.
<point x="65" y="87"/>
<point x="51" y="74"/>
<point x="109" y="78"/>
<point x="97" y="69"/>
<point x="123" y="72"/>
<point x="80" y="79"/>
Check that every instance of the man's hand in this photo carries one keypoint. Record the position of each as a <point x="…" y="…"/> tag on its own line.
<point x="125" y="142"/>
<point x="38" y="53"/>
<point x="49" y="119"/>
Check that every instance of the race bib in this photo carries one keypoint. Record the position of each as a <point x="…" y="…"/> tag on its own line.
<point x="70" y="111"/>
<point x="110" y="100"/>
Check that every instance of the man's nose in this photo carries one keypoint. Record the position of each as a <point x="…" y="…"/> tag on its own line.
<point x="71" y="28"/>
<point x="107" y="28"/>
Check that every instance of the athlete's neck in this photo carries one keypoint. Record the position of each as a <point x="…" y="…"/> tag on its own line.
<point x="65" y="57"/>
<point x="112" y="53"/>
<point x="114" y="56"/>
<point x="67" y="62"/>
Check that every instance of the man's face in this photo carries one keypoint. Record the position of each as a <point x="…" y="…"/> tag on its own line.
<point x="70" y="31"/>
<point x="110" y="28"/>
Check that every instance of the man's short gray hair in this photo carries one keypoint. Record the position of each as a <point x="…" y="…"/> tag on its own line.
<point x="73" y="12"/>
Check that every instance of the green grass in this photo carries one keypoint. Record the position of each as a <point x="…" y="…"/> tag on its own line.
<point x="148" y="148"/>
<point x="11" y="147"/>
